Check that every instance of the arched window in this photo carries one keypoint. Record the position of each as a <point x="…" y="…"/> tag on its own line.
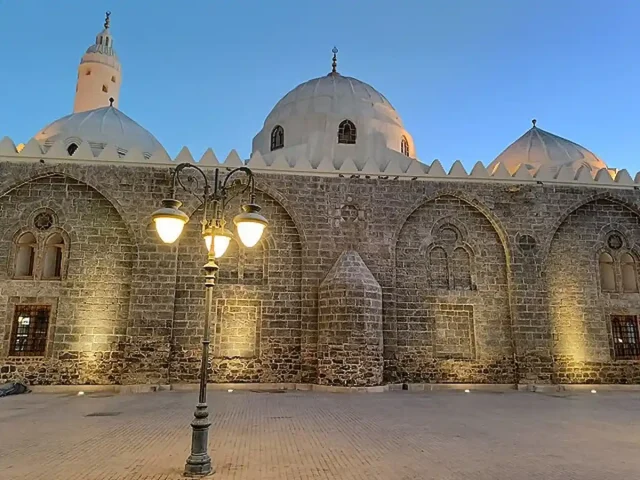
<point x="461" y="266"/>
<point x="347" y="132"/>
<point x="438" y="270"/>
<point x="404" y="146"/>
<point x="25" y="255"/>
<point x="71" y="149"/>
<point x="106" y="41"/>
<point x="607" y="276"/>
<point x="53" y="252"/>
<point x="277" y="137"/>
<point x="629" y="274"/>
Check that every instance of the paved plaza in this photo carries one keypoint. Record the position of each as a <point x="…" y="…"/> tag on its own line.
<point x="308" y="435"/>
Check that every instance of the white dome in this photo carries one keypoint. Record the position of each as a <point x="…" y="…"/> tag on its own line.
<point x="312" y="112"/>
<point x="99" y="127"/>
<point x="537" y="148"/>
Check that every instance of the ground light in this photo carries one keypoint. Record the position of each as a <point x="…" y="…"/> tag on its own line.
<point x="250" y="224"/>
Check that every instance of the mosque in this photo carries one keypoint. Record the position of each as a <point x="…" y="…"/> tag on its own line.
<point x="375" y="268"/>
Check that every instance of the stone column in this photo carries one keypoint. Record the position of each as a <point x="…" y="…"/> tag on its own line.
<point x="350" y="349"/>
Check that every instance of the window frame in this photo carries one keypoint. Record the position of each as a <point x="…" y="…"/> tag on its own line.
<point x="15" y="327"/>
<point x="353" y="134"/>
<point x="275" y="131"/>
<point x="633" y="321"/>
<point x="405" y="148"/>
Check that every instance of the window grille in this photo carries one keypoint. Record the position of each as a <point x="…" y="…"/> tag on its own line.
<point x="30" y="328"/>
<point x="277" y="138"/>
<point x="347" y="132"/>
<point x="404" y="146"/>
<point x="626" y="337"/>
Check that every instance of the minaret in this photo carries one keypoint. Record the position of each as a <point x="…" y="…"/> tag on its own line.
<point x="99" y="74"/>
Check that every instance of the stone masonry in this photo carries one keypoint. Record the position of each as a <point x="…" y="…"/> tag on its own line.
<point x="350" y="343"/>
<point x="480" y="281"/>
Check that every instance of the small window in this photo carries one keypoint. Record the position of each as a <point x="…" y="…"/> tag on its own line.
<point x="277" y="138"/>
<point x="29" y="332"/>
<point x="71" y="149"/>
<point x="106" y="41"/>
<point x="25" y="255"/>
<point x="347" y="132"/>
<point x="629" y="275"/>
<point x="54" y="249"/>
<point x="105" y="89"/>
<point x="404" y="146"/>
<point x="626" y="337"/>
<point x="88" y="72"/>
<point x="113" y="79"/>
<point x="607" y="276"/>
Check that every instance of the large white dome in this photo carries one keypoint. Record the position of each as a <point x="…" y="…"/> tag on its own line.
<point x="537" y="148"/>
<point x="312" y="113"/>
<point x="99" y="127"/>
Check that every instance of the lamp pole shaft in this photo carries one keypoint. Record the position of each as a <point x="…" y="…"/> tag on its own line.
<point x="199" y="462"/>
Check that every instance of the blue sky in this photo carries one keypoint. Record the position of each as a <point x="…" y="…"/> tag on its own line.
<point x="466" y="76"/>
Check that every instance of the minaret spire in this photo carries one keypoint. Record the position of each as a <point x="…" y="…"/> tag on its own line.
<point x="107" y="19"/>
<point x="334" y="63"/>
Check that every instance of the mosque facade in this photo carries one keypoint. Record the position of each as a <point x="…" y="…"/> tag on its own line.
<point x="375" y="268"/>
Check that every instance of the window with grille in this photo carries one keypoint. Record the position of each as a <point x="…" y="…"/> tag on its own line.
<point x="404" y="146"/>
<point x="626" y="337"/>
<point x="30" y="327"/>
<point x="277" y="138"/>
<point x="347" y="132"/>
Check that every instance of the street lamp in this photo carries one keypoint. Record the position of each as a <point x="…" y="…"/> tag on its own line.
<point x="250" y="224"/>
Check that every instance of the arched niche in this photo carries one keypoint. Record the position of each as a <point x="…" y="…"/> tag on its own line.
<point x="256" y="315"/>
<point x="584" y="280"/>
<point x="462" y="318"/>
<point x="92" y="293"/>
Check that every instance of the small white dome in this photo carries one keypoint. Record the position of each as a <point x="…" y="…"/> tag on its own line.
<point x="99" y="127"/>
<point x="311" y="115"/>
<point x="537" y="148"/>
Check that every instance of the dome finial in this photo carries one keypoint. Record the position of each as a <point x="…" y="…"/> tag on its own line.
<point x="106" y="19"/>
<point x="534" y="121"/>
<point x="111" y="100"/>
<point x="334" y="63"/>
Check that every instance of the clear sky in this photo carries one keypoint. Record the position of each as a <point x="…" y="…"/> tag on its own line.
<point x="466" y="76"/>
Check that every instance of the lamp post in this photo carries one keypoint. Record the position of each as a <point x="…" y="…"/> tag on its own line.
<point x="250" y="224"/>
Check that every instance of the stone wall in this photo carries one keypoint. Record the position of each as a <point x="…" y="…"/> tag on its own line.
<point x="481" y="281"/>
<point x="90" y="303"/>
<point x="256" y="313"/>
<point x="350" y="344"/>
<point x="580" y="308"/>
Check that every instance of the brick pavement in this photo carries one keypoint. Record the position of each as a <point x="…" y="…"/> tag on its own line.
<point x="313" y="436"/>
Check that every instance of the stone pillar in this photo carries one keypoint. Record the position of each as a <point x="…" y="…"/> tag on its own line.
<point x="350" y="349"/>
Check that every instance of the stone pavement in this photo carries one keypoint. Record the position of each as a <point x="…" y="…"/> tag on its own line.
<point x="308" y="435"/>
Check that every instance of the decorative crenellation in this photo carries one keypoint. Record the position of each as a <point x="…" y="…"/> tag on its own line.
<point x="398" y="166"/>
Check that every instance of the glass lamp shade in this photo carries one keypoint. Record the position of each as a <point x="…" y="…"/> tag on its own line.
<point x="169" y="220"/>
<point x="221" y="238"/>
<point x="250" y="225"/>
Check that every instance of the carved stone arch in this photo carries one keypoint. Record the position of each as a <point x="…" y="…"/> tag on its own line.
<point x="465" y="197"/>
<point x="546" y="244"/>
<point x="66" y="238"/>
<point x="604" y="278"/>
<point x="61" y="170"/>
<point x="615" y="228"/>
<point x="15" y="236"/>
<point x="443" y="222"/>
